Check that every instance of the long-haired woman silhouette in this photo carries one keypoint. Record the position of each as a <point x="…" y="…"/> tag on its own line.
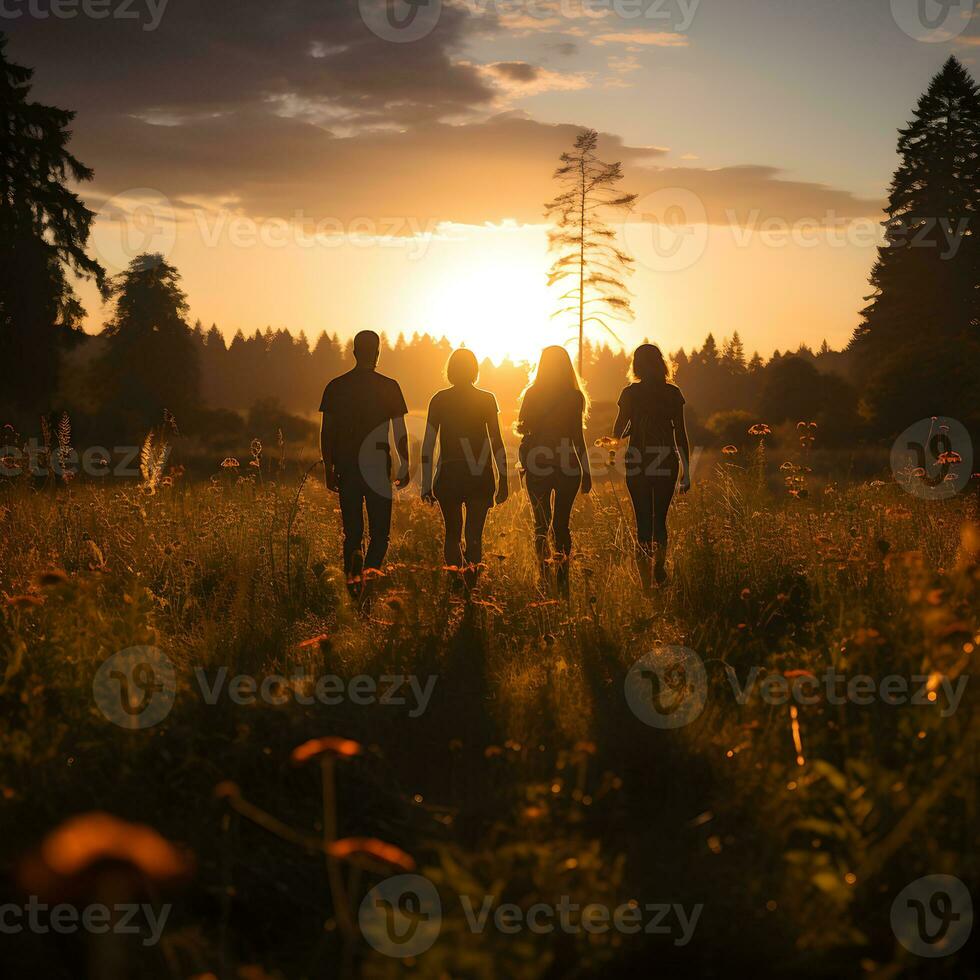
<point x="465" y="420"/>
<point x="651" y="413"/>
<point x="552" y="454"/>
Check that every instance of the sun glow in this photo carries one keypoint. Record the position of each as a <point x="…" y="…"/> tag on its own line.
<point x="499" y="306"/>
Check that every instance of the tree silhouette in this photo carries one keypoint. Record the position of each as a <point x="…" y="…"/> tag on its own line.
<point x="917" y="342"/>
<point x="151" y="359"/>
<point x="585" y="244"/>
<point x="44" y="228"/>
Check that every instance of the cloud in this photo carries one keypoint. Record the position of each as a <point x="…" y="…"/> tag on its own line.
<point x="659" y="39"/>
<point x="518" y="78"/>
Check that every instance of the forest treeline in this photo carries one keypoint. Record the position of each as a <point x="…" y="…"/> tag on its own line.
<point x="914" y="354"/>
<point x="273" y="380"/>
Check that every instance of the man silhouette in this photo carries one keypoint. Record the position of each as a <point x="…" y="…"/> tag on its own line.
<point x="359" y="409"/>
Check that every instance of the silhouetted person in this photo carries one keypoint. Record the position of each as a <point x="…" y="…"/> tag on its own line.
<point x="552" y="452"/>
<point x="359" y="409"/>
<point x="651" y="413"/>
<point x="465" y="419"/>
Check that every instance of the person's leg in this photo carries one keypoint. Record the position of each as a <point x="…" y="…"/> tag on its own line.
<point x="641" y="496"/>
<point x="539" y="493"/>
<point x="476" y="519"/>
<point x="566" y="489"/>
<point x="352" y="516"/>
<point x="663" y="494"/>
<point x="379" y="526"/>
<point x="452" y="515"/>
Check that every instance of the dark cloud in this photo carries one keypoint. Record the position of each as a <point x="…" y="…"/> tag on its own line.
<point x="515" y="71"/>
<point x="295" y="105"/>
<point x="223" y="54"/>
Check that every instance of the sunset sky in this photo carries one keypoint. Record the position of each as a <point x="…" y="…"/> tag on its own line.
<point x="226" y="134"/>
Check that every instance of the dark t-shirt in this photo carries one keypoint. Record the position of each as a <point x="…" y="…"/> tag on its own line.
<point x="361" y="404"/>
<point x="551" y="424"/>
<point x="652" y="410"/>
<point x="463" y="415"/>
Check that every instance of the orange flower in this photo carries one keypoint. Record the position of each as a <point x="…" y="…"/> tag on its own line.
<point x="314" y="641"/>
<point x="729" y="450"/>
<point x="230" y="463"/>
<point x="371" y="854"/>
<point x="51" y="578"/>
<point x="72" y="855"/>
<point x="760" y="429"/>
<point x="337" y="748"/>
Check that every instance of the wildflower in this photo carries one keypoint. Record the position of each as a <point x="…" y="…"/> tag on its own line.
<point x="24" y="601"/>
<point x="950" y="457"/>
<point x="52" y="578"/>
<point x="729" y="450"/>
<point x="72" y="856"/>
<point x="320" y="641"/>
<point x="760" y="429"/>
<point x="230" y="463"/>
<point x="337" y="748"/>
<point x="371" y="854"/>
<point x="787" y="467"/>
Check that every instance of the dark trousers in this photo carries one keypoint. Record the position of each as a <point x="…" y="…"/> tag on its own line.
<point x="356" y="496"/>
<point x="651" y="491"/>
<point x="476" y="509"/>
<point x="551" y="498"/>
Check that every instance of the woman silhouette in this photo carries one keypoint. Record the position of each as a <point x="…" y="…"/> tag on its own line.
<point x="552" y="454"/>
<point x="651" y="413"/>
<point x="465" y="420"/>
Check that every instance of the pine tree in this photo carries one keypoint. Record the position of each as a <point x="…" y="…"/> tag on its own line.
<point x="918" y="336"/>
<point x="151" y="360"/>
<point x="734" y="355"/>
<point x="44" y="228"/>
<point x="585" y="243"/>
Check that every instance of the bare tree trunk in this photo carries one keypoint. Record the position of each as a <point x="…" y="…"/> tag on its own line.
<point x="581" y="273"/>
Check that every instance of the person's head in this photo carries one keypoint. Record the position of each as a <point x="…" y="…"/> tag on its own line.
<point x="462" y="367"/>
<point x="649" y="364"/>
<point x="556" y="373"/>
<point x="367" y="347"/>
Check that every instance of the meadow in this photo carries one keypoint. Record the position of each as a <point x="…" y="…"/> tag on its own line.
<point x="525" y="776"/>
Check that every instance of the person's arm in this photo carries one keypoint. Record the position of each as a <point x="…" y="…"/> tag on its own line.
<point x="328" y="431"/>
<point x="499" y="457"/>
<point x="428" y="452"/>
<point x="683" y="448"/>
<point x="622" y="423"/>
<point x="583" y="455"/>
<point x="401" y="447"/>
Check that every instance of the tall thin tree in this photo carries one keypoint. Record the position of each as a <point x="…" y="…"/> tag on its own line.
<point x="586" y="245"/>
